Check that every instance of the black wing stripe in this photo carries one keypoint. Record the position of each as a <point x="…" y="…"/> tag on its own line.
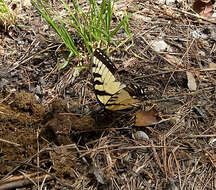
<point x="97" y="82"/>
<point x="135" y="90"/>
<point x="102" y="93"/>
<point x="99" y="54"/>
<point x="95" y="75"/>
<point x="112" y="94"/>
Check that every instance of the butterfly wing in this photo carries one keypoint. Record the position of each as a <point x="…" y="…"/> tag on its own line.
<point x="121" y="100"/>
<point x="111" y="93"/>
<point x="105" y="84"/>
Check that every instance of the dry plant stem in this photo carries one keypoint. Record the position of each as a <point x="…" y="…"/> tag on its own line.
<point x="9" y="142"/>
<point x="157" y="158"/>
<point x="196" y="16"/>
<point x="18" y="63"/>
<point x="200" y="136"/>
<point x="6" y="98"/>
<point x="20" y="181"/>
<point x="68" y="78"/>
<point x="46" y="177"/>
<point x="179" y="96"/>
<point x="21" y="164"/>
<point x="211" y="157"/>
<point x="38" y="150"/>
<point x="171" y="71"/>
<point x="15" y="178"/>
<point x="177" y="163"/>
<point x="31" y="47"/>
<point x="169" y="163"/>
<point x="186" y="53"/>
<point x="29" y="178"/>
<point x="176" y="126"/>
<point x="122" y="148"/>
<point x="164" y="156"/>
<point x="47" y="173"/>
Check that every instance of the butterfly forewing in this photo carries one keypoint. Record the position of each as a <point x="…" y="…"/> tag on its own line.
<point x="105" y="83"/>
<point x="100" y="55"/>
<point x="111" y="93"/>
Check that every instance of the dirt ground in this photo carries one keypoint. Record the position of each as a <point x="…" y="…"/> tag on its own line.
<point x="54" y="134"/>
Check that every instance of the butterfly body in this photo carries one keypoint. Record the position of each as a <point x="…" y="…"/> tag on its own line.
<point x="111" y="93"/>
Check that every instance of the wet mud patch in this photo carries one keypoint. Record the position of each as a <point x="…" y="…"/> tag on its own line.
<point x="20" y="108"/>
<point x="29" y="129"/>
<point x="20" y="117"/>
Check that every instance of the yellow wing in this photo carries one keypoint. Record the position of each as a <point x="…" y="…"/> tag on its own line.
<point x="120" y="101"/>
<point x="111" y="93"/>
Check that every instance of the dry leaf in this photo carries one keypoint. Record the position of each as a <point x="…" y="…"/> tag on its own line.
<point x="212" y="65"/>
<point x="27" y="3"/>
<point x="99" y="175"/>
<point x="160" y="46"/>
<point x="208" y="11"/>
<point x="173" y="60"/>
<point x="1" y="51"/>
<point x="191" y="81"/>
<point x="140" y="17"/>
<point x="129" y="62"/>
<point x="146" y="118"/>
<point x="203" y="7"/>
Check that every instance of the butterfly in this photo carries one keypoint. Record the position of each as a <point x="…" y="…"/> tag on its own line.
<point x="111" y="93"/>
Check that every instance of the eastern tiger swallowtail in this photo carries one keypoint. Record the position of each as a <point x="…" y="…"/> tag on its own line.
<point x="111" y="93"/>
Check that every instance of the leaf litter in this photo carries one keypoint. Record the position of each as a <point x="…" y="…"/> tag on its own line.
<point x="44" y="114"/>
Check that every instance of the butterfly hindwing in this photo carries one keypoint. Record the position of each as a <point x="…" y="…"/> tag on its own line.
<point x="121" y="100"/>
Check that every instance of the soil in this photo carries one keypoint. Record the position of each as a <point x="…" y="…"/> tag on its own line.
<point x="54" y="132"/>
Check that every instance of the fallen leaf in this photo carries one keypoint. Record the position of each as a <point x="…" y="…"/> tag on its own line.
<point x="160" y="46"/>
<point x="99" y="175"/>
<point x="1" y="51"/>
<point x="141" y="17"/>
<point x="27" y="3"/>
<point x="191" y="81"/>
<point x="203" y="7"/>
<point x="208" y="11"/>
<point x="212" y="65"/>
<point x="146" y="118"/>
<point x="129" y="62"/>
<point x="173" y="60"/>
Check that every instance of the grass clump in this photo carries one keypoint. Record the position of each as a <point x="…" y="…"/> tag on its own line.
<point x="91" y="23"/>
<point x="7" y="17"/>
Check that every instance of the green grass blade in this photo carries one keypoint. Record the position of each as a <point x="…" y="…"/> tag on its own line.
<point x="124" y="23"/>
